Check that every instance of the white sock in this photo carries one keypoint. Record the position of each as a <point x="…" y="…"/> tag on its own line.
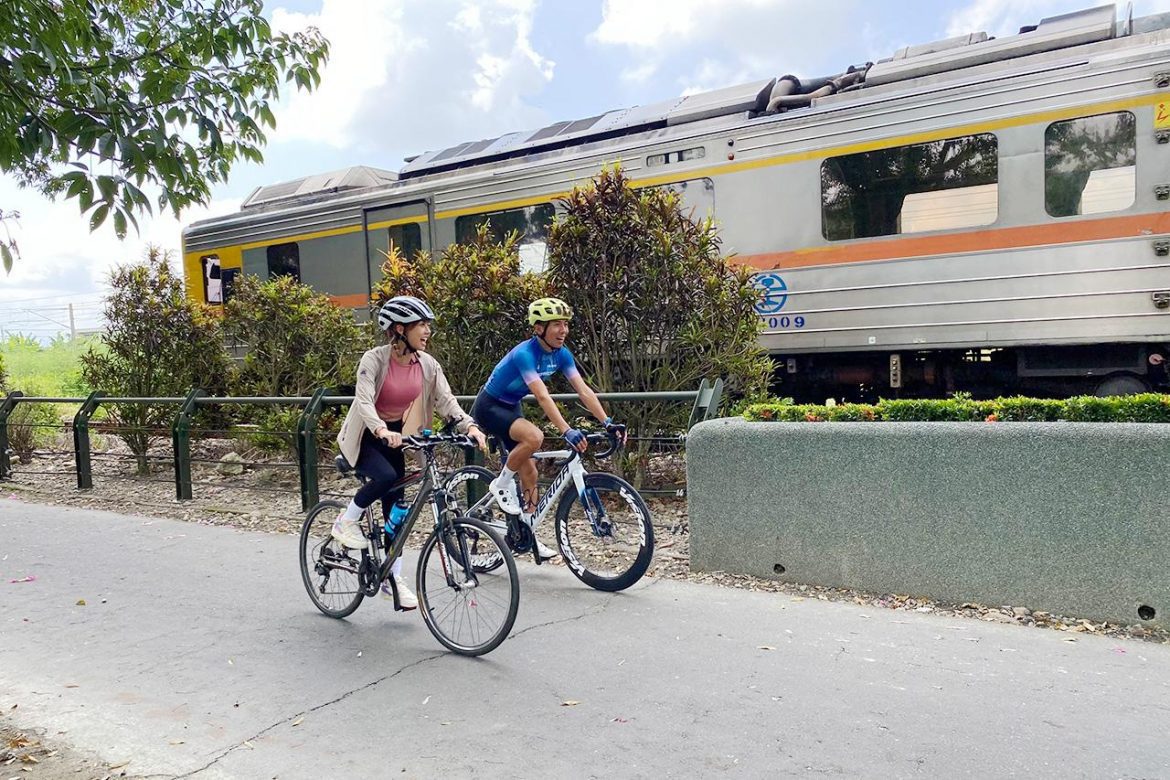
<point x="353" y="511"/>
<point x="506" y="473"/>
<point x="396" y="567"/>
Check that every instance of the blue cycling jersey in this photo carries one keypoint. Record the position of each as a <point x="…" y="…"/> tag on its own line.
<point x="527" y="361"/>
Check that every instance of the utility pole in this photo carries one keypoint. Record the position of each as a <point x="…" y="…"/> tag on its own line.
<point x="72" y="325"/>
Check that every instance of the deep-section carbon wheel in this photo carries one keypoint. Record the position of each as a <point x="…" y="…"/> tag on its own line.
<point x="466" y="487"/>
<point x="608" y="539"/>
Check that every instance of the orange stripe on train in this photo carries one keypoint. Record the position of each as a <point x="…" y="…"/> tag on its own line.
<point x="894" y="248"/>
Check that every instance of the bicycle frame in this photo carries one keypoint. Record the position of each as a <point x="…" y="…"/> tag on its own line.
<point x="427" y="494"/>
<point x="572" y="469"/>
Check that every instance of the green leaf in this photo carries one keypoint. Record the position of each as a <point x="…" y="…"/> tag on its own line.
<point x="98" y="217"/>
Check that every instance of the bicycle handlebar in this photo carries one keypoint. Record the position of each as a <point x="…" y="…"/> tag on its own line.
<point x="428" y="439"/>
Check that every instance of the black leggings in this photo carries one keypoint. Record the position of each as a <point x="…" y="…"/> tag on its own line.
<point x="382" y="466"/>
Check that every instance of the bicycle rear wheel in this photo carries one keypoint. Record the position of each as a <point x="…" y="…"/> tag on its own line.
<point x="608" y="539"/>
<point x="468" y="612"/>
<point x="328" y="569"/>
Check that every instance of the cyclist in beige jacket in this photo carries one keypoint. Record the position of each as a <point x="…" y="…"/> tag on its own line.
<point x="399" y="387"/>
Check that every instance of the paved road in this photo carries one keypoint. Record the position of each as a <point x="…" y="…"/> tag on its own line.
<point x="197" y="654"/>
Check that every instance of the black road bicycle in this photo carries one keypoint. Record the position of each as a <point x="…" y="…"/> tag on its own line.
<point x="468" y="610"/>
<point x="603" y="526"/>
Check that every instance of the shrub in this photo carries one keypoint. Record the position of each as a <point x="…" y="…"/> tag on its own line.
<point x="1147" y="408"/>
<point x="658" y="307"/>
<point x="157" y="343"/>
<point x="32" y="425"/>
<point x="296" y="340"/>
<point x="480" y="300"/>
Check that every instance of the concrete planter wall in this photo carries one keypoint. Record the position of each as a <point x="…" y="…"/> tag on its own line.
<point x="1071" y="518"/>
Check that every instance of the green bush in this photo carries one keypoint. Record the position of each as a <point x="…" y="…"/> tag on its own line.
<point x="32" y="426"/>
<point x="296" y="340"/>
<point x="1146" y="408"/>
<point x="480" y="300"/>
<point x="658" y="306"/>
<point x="157" y="343"/>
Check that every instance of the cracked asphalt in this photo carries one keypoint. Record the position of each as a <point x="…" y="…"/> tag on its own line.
<point x="197" y="654"/>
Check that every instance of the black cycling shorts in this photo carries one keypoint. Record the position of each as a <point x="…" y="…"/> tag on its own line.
<point x="496" y="417"/>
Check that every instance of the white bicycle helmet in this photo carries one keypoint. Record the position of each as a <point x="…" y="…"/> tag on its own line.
<point x="403" y="309"/>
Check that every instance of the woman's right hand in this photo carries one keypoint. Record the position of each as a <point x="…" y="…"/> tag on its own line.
<point x="391" y="438"/>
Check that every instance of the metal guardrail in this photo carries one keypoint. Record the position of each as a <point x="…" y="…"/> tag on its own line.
<point x="706" y="400"/>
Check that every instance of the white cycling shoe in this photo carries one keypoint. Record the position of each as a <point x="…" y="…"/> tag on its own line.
<point x="348" y="532"/>
<point x="504" y="491"/>
<point x="545" y="552"/>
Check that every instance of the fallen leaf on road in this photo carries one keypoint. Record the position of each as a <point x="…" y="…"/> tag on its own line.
<point x="359" y="653"/>
<point x="248" y="745"/>
<point x="72" y="685"/>
<point x="619" y="720"/>
<point x="299" y="721"/>
<point x="81" y="602"/>
<point x="426" y="699"/>
<point x="119" y="766"/>
<point x="570" y="703"/>
<point x="765" y="647"/>
<point x="29" y="578"/>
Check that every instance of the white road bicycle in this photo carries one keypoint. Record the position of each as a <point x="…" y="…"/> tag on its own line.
<point x="603" y="527"/>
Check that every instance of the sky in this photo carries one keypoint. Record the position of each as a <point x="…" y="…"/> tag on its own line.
<point x="407" y="76"/>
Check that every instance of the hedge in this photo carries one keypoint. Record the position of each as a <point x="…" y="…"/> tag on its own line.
<point x="1146" y="408"/>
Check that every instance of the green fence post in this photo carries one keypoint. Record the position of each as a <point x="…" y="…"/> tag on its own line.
<point x="714" y="400"/>
<point x="181" y="444"/>
<point x="706" y="402"/>
<point x="6" y="409"/>
<point x="81" y="439"/>
<point x="307" y="449"/>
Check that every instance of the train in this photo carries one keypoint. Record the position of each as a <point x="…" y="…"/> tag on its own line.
<point x="977" y="214"/>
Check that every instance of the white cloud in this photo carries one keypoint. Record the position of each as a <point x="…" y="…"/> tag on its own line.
<point x="406" y="76"/>
<point x="739" y="40"/>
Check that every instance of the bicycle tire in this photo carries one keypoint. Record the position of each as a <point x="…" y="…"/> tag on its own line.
<point x="456" y="485"/>
<point x="606" y="562"/>
<point x="471" y="608"/>
<point x="315" y="551"/>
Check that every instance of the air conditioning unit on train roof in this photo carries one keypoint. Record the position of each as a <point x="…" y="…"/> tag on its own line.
<point x="359" y="177"/>
<point x="1055" y="32"/>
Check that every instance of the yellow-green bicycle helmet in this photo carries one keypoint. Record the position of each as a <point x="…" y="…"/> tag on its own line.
<point x="548" y="309"/>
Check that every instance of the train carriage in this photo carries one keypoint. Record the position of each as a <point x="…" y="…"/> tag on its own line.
<point x="971" y="214"/>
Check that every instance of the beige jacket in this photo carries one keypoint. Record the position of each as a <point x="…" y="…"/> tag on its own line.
<point x="362" y="416"/>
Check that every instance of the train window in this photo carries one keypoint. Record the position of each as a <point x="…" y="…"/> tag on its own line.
<point x="408" y="239"/>
<point x="212" y="282"/>
<point x="938" y="185"/>
<point x="284" y="260"/>
<point x="1090" y="165"/>
<point x="531" y="222"/>
<point x="683" y="155"/>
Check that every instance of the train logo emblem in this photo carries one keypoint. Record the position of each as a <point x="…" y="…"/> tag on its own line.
<point x="775" y="293"/>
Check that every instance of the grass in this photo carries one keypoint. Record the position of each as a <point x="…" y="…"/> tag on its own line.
<point x="50" y="370"/>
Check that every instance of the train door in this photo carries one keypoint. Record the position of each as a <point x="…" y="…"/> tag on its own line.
<point x="399" y="230"/>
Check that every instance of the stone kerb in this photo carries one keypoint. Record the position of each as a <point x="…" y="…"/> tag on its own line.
<point x="1070" y="518"/>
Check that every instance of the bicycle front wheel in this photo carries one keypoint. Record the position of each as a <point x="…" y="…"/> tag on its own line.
<point x="469" y="612"/>
<point x="328" y="569"/>
<point x="606" y="536"/>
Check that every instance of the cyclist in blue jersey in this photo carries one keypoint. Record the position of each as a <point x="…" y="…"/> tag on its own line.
<point x="524" y="370"/>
